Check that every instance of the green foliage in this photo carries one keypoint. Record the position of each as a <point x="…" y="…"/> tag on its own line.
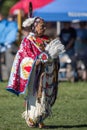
<point x="6" y="5"/>
<point x="68" y="113"/>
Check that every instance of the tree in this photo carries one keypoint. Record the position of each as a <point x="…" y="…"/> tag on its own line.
<point x="5" y="6"/>
<point x="1" y="2"/>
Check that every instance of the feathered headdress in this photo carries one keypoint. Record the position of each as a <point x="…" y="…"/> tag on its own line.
<point x="28" y="22"/>
<point x="54" y="48"/>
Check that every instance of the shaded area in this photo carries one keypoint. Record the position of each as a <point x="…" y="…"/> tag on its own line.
<point x="65" y="126"/>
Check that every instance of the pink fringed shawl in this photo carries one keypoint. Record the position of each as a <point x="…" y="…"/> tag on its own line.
<point x="22" y="66"/>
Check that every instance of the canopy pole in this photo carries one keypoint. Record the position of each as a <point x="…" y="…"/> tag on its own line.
<point x="19" y="24"/>
<point x="58" y="28"/>
<point x="19" y="20"/>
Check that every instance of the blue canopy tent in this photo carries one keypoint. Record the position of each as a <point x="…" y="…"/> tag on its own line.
<point x="64" y="10"/>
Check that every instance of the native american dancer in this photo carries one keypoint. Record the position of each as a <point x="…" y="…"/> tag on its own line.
<point x="35" y="69"/>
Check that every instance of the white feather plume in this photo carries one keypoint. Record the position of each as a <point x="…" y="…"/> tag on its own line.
<point x="54" y="48"/>
<point x="28" y="22"/>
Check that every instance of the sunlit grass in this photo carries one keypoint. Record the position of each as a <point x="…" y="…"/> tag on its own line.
<point x="68" y="113"/>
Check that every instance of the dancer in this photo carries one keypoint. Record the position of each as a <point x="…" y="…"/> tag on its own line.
<point x="35" y="69"/>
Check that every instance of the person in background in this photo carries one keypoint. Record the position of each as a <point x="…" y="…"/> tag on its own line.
<point x="35" y="69"/>
<point x="81" y="40"/>
<point x="81" y="50"/>
<point x="68" y="37"/>
<point x="11" y="31"/>
<point x="8" y="32"/>
<point x="3" y="25"/>
<point x="10" y="35"/>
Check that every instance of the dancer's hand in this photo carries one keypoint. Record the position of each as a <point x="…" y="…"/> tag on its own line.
<point x="38" y="62"/>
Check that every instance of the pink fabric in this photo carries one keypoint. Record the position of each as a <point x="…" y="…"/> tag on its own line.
<point x="24" y="5"/>
<point x="22" y="66"/>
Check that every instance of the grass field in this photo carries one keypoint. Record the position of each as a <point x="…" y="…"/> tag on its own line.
<point x="69" y="111"/>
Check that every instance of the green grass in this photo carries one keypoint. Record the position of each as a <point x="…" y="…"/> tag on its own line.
<point x="69" y="111"/>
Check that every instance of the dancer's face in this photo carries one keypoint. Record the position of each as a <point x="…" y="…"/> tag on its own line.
<point x="40" y="28"/>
